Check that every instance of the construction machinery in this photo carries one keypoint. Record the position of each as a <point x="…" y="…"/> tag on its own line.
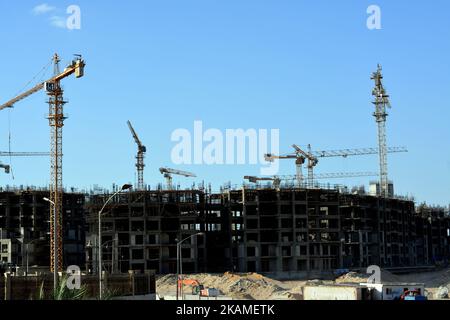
<point x="6" y="167"/>
<point x="20" y="154"/>
<point x="56" y="122"/>
<point x="413" y="295"/>
<point x="24" y="154"/>
<point x="299" y="161"/>
<point x="312" y="161"/>
<point x="313" y="157"/>
<point x="139" y="158"/>
<point x="340" y="175"/>
<point x="381" y="102"/>
<point x="167" y="172"/>
<point x="196" y="286"/>
<point x="276" y="180"/>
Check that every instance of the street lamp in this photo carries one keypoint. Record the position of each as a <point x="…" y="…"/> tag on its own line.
<point x="26" y="248"/>
<point x="180" y="261"/>
<point x="100" y="276"/>
<point x="55" y="245"/>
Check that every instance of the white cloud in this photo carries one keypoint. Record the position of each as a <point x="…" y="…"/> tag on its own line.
<point x="42" y="9"/>
<point x="58" y="22"/>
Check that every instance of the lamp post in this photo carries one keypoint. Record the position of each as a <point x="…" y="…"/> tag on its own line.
<point x="55" y="246"/>
<point x="100" y="276"/>
<point x="180" y="261"/>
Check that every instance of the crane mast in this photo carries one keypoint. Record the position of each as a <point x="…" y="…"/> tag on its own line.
<point x="312" y="162"/>
<point x="139" y="158"/>
<point x="299" y="161"/>
<point x="56" y="122"/>
<point x="381" y="102"/>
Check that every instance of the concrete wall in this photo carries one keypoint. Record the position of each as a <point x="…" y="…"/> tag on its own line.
<point x="27" y="288"/>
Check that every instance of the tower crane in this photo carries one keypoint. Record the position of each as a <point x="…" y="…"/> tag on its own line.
<point x="56" y="122"/>
<point x="340" y="175"/>
<point x="313" y="157"/>
<point x="167" y="172"/>
<point x="381" y="102"/>
<point x="6" y="167"/>
<point x="20" y="154"/>
<point x="312" y="161"/>
<point x="299" y="161"/>
<point x="276" y="180"/>
<point x="24" y="154"/>
<point x="337" y="175"/>
<point x="139" y="158"/>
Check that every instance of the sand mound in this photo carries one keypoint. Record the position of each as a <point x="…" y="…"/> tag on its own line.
<point x="354" y="277"/>
<point x="238" y="286"/>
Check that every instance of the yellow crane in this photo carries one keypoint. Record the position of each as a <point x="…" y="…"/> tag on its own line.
<point x="56" y="121"/>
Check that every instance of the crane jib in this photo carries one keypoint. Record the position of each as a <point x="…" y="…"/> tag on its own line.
<point x="76" y="67"/>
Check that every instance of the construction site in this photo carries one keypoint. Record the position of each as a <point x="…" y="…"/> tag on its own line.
<point x="264" y="230"/>
<point x="280" y="227"/>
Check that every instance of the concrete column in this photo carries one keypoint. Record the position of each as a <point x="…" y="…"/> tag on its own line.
<point x="7" y="286"/>
<point x="105" y="281"/>
<point x="361" y="248"/>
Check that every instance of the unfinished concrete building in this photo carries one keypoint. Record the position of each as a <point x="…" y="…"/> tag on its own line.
<point x="140" y="231"/>
<point x="287" y="231"/>
<point x="380" y="231"/>
<point x="24" y="224"/>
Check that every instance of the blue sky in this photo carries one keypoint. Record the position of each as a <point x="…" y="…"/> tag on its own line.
<point x="299" y="66"/>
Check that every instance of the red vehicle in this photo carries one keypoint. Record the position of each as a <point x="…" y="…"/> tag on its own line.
<point x="412" y="295"/>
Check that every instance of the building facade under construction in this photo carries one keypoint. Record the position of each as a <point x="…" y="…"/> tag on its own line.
<point x="25" y="228"/>
<point x="265" y="230"/>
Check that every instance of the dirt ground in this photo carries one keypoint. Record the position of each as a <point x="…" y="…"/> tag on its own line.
<point x="253" y="286"/>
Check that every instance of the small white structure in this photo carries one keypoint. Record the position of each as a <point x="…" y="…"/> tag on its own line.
<point x="392" y="291"/>
<point x="374" y="188"/>
<point x="333" y="292"/>
<point x="362" y="291"/>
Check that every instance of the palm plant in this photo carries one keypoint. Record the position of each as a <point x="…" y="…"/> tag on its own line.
<point x="62" y="292"/>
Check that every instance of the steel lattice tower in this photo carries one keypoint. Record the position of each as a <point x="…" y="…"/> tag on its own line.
<point x="56" y="122"/>
<point x="381" y="102"/>
<point x="140" y="158"/>
<point x="140" y="170"/>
